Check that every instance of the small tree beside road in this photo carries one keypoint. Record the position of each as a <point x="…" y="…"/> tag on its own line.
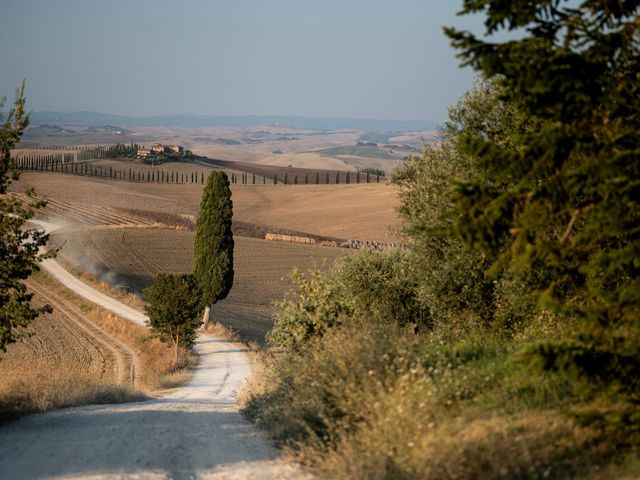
<point x="174" y="309"/>
<point x="213" y="248"/>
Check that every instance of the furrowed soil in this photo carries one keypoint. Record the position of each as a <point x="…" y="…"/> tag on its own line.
<point x="132" y="257"/>
<point x="66" y="359"/>
<point x="126" y="232"/>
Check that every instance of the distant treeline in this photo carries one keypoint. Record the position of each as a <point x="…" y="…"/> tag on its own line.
<point x="308" y="179"/>
<point x="87" y="152"/>
<point x="63" y="163"/>
<point x="75" y="161"/>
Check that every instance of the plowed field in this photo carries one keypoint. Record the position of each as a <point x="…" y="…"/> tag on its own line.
<point x="67" y="360"/>
<point x="117" y="231"/>
<point x="133" y="256"/>
<point x="58" y="343"/>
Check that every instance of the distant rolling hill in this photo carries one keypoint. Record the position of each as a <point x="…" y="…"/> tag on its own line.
<point x="192" y="120"/>
<point x="366" y="151"/>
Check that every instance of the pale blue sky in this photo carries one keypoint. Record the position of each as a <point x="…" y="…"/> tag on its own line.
<point x="384" y="59"/>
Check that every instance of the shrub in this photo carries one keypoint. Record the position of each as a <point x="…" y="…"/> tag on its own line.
<point x="316" y="307"/>
<point x="365" y="287"/>
<point x="382" y="286"/>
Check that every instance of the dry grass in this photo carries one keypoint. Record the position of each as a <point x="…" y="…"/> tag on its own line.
<point x="156" y="372"/>
<point x="532" y="445"/>
<point x="50" y="389"/>
<point x="59" y="365"/>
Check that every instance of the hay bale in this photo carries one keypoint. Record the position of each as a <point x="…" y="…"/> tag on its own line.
<point x="277" y="237"/>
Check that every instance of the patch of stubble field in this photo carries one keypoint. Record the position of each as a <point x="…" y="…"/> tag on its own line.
<point x="133" y="256"/>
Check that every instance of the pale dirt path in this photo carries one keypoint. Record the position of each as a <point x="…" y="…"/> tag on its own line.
<point x="196" y="432"/>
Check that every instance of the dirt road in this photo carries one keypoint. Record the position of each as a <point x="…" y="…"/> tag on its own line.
<point x="197" y="432"/>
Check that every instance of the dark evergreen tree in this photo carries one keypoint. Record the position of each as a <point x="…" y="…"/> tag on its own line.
<point x="567" y="200"/>
<point x="19" y="247"/>
<point x="213" y="248"/>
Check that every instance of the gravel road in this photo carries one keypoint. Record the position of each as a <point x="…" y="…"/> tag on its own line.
<point x="196" y="432"/>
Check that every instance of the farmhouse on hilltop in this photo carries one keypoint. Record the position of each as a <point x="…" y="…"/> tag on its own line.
<point x="158" y="148"/>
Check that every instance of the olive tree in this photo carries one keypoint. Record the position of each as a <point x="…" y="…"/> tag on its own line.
<point x="174" y="309"/>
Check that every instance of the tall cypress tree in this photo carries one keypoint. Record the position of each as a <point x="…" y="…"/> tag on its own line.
<point x="213" y="247"/>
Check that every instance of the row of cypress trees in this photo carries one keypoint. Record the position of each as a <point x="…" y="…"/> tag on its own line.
<point x="67" y="163"/>
<point x="53" y="163"/>
<point x="246" y="179"/>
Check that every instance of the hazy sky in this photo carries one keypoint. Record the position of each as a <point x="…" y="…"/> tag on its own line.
<point x="385" y="59"/>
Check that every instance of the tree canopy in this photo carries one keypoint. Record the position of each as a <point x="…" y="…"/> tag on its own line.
<point x="174" y="308"/>
<point x="213" y="249"/>
<point x="19" y="247"/>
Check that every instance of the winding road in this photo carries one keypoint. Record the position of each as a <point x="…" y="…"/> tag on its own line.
<point x="196" y="432"/>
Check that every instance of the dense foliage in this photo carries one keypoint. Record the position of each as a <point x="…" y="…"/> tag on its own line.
<point x="523" y="262"/>
<point x="366" y="288"/>
<point x="566" y="201"/>
<point x="19" y="248"/>
<point x="213" y="249"/>
<point x="173" y="309"/>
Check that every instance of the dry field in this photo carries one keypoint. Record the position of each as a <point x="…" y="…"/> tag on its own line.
<point x="126" y="232"/>
<point x="365" y="212"/>
<point x="263" y="145"/>
<point x="133" y="256"/>
<point x="180" y="168"/>
<point x="67" y="360"/>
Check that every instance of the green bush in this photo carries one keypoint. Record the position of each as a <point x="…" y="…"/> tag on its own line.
<point x="370" y="400"/>
<point x="382" y="287"/>
<point x="364" y="287"/>
<point x="313" y="309"/>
